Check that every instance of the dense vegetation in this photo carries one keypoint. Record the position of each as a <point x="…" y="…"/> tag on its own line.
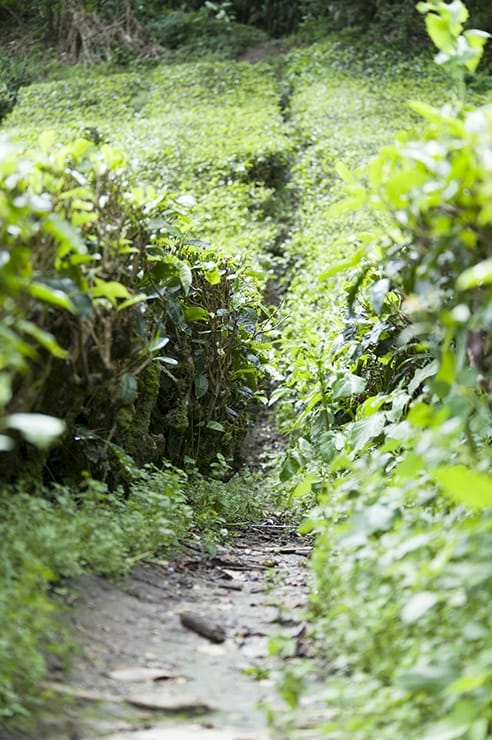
<point x="135" y="260"/>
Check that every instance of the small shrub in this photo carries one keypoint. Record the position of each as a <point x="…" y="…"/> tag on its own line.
<point x="393" y="442"/>
<point x="129" y="282"/>
<point x="13" y="74"/>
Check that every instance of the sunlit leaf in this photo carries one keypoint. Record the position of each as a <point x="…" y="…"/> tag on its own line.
<point x="196" y="313"/>
<point x="109" y="289"/>
<point x="39" y="429"/>
<point x="304" y="487"/>
<point x="139" y="298"/>
<point x="438" y="30"/>
<point x="418" y="605"/>
<point x="465" y="486"/>
<point x="480" y="274"/>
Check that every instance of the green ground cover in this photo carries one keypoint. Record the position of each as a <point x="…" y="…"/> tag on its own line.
<point x="210" y="129"/>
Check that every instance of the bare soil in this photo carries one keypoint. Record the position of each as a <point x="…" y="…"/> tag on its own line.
<point x="263" y="50"/>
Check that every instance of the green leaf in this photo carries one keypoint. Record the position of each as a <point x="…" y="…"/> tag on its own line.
<point x="139" y="298"/>
<point x="44" y="338"/>
<point x="364" y="431"/>
<point x="196" y="313"/>
<point x="438" y="30"/>
<point x="464" y="684"/>
<point x="479" y="274"/>
<point x="476" y="40"/>
<point x="418" y="605"/>
<point x="465" y="486"/>
<point x="447" y="730"/>
<point x="68" y="236"/>
<point x="420" y="375"/>
<point x="305" y="486"/>
<point x="128" y="389"/>
<point x="38" y="429"/>
<point x="109" y="289"/>
<point x="201" y="385"/>
<point x="212" y="274"/>
<point x="431" y="679"/>
<point x="51" y="295"/>
<point x="290" y="466"/>
<point x="343" y="265"/>
<point x="216" y="426"/>
<point x="185" y="277"/>
<point x="447" y="371"/>
<point x="349" y="385"/>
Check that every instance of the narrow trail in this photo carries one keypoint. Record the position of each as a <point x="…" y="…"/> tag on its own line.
<point x="141" y="674"/>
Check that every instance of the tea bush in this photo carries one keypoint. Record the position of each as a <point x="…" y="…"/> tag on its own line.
<point x="393" y="441"/>
<point x="213" y="130"/>
<point x="193" y="35"/>
<point x="126" y="282"/>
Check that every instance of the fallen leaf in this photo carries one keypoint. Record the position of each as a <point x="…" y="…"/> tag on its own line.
<point x="80" y="692"/>
<point x="211" y="649"/>
<point x="139" y="674"/>
<point x="168" y="703"/>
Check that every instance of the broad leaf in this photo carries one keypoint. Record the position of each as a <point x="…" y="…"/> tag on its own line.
<point x="418" y="605"/>
<point x="480" y="274"/>
<point x="465" y="486"/>
<point x="39" y="429"/>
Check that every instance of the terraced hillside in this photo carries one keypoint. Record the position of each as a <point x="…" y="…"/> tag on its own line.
<point x="253" y="157"/>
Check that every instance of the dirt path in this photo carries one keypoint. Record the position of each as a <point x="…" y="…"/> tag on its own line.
<point x="142" y="674"/>
<point x="263" y="50"/>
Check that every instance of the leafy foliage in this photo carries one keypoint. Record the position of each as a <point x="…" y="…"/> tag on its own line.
<point x="93" y="529"/>
<point x="126" y="282"/>
<point x="394" y="439"/>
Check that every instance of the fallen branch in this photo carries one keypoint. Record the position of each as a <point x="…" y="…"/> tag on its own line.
<point x="213" y="631"/>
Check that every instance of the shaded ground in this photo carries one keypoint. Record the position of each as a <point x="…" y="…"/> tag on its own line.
<point x="141" y="674"/>
<point x="263" y="50"/>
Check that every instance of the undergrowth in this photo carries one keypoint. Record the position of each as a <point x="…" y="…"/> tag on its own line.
<point x="50" y="535"/>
